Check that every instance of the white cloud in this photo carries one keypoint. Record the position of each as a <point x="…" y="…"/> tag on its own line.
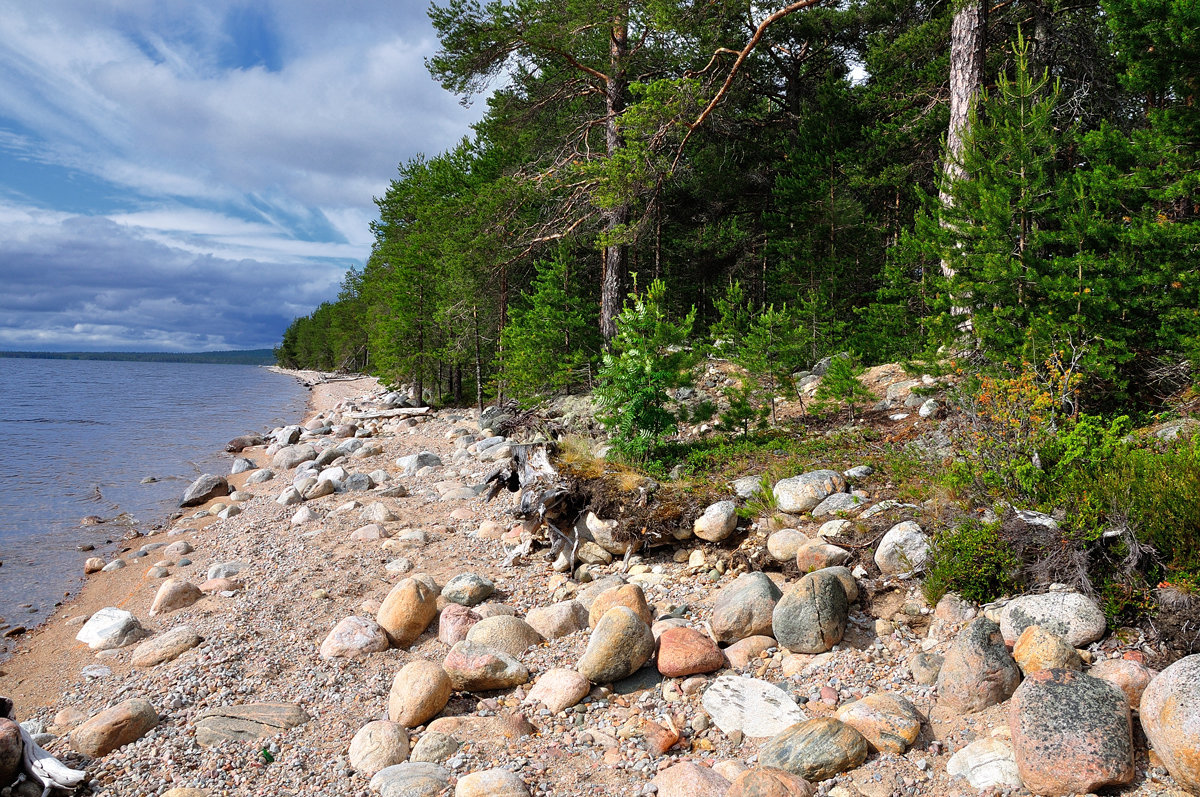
<point x="224" y="175"/>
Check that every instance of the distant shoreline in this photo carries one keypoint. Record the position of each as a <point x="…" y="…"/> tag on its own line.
<point x="236" y="357"/>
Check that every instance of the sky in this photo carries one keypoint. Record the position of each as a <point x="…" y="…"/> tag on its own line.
<point x="191" y="176"/>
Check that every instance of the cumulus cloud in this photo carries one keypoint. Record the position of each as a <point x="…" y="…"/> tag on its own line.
<point x="193" y="176"/>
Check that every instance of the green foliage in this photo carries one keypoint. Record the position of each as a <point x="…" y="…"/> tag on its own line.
<point x="647" y="359"/>
<point x="550" y="340"/>
<point x="745" y="410"/>
<point x="841" y="384"/>
<point x="735" y="312"/>
<point x="972" y="560"/>
<point x="704" y="410"/>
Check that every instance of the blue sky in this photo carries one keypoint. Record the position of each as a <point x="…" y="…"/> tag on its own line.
<point x="187" y="176"/>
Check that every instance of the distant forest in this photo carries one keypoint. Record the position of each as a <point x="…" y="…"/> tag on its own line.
<point x="875" y="176"/>
<point x="239" y="357"/>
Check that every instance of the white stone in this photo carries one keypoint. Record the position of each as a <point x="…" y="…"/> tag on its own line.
<point x="111" y="628"/>
<point x="802" y="493"/>
<point x="756" y="708"/>
<point x="718" y="521"/>
<point x="902" y="550"/>
<point x="986" y="764"/>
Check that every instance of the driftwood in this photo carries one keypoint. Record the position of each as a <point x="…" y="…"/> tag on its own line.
<point x="545" y="502"/>
<point x="39" y="766"/>
<point x="402" y="412"/>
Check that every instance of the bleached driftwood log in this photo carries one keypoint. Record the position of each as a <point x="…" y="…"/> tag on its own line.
<point x="40" y="766"/>
<point x="545" y="501"/>
<point x="402" y="412"/>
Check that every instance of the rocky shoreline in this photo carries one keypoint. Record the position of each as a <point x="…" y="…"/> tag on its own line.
<point x="345" y="626"/>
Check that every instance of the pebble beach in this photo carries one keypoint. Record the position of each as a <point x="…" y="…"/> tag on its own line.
<point x="270" y="667"/>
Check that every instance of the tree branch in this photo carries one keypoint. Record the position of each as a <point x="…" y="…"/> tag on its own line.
<point x="745" y="53"/>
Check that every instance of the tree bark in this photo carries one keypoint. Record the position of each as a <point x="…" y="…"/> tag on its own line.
<point x="968" y="49"/>
<point x="615" y="253"/>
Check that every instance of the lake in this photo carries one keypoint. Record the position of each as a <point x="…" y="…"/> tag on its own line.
<point x="78" y="437"/>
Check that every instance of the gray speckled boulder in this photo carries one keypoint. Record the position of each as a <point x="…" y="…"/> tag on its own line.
<point x="744" y="608"/>
<point x="802" y="493"/>
<point x="811" y="616"/>
<point x="1074" y="617"/>
<point x="978" y="671"/>
<point x="1071" y="733"/>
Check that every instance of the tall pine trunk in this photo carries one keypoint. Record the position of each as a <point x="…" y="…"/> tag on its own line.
<point x="615" y="253"/>
<point x="968" y="50"/>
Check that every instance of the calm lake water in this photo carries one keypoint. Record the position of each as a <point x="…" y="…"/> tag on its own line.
<point x="77" y="437"/>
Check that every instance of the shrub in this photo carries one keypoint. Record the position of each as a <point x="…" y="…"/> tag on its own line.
<point x="973" y="560"/>
<point x="647" y="360"/>
<point x="841" y="384"/>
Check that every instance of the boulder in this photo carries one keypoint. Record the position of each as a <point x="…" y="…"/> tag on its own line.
<point x="114" y="727"/>
<point x="412" y="463"/>
<point x="742" y="652"/>
<point x="629" y="595"/>
<point x="506" y="633"/>
<point x="12" y="748"/>
<point x="204" y="489"/>
<point x="761" y="782"/>
<point x="226" y="570"/>
<point x="1038" y="649"/>
<point x="604" y="533"/>
<point x="903" y="549"/>
<point x="407" y="611"/>
<point x="1131" y="677"/>
<point x="718" y="521"/>
<point x="815" y="749"/>
<point x="749" y="706"/>
<point x="491" y="783"/>
<point x="246" y="722"/>
<point x="558" y="619"/>
<point x="165" y="647"/>
<point x="475" y="668"/>
<point x="801" y="493"/>
<point x="836" y="503"/>
<point x="818" y="555"/>
<point x="378" y="745"/>
<point x="419" y="693"/>
<point x="111" y="628"/>
<point x="925" y="668"/>
<point x="689" y="780"/>
<point x="888" y="722"/>
<point x="686" y="651"/>
<point x="559" y="688"/>
<point x="986" y="764"/>
<point x="811" y="615"/>
<point x="978" y="671"/>
<point x="1071" y="733"/>
<point x="290" y="457"/>
<point x="174" y="594"/>
<point x="744" y="608"/>
<point x="783" y="544"/>
<point x="434" y="747"/>
<point x="354" y="637"/>
<point x="454" y="622"/>
<point x="1072" y="616"/>
<point x="620" y="644"/>
<point x="411" y="779"/>
<point x="1170" y="715"/>
<point x="242" y="442"/>
<point x="468" y="589"/>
